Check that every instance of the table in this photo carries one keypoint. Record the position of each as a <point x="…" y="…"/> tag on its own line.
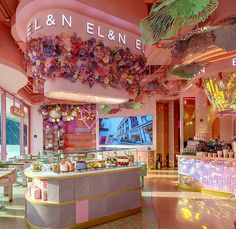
<point x="7" y="178"/>
<point x="22" y="165"/>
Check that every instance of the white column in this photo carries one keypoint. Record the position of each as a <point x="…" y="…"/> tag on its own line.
<point x="171" y="134"/>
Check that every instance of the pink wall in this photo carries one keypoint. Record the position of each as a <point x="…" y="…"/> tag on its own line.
<point x="226" y="128"/>
<point x="121" y="9"/>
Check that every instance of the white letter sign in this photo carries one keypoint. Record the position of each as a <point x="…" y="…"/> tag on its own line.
<point x="90" y="28"/>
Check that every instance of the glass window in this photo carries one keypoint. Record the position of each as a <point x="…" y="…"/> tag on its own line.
<point x="126" y="125"/>
<point x="26" y="126"/>
<point x="0" y="123"/>
<point x="12" y="130"/>
<point x="134" y="121"/>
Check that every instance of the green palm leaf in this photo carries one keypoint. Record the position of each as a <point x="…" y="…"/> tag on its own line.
<point x="167" y="18"/>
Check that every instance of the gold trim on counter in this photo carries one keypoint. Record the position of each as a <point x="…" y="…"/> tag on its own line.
<point x="189" y="188"/>
<point x="205" y="191"/>
<point x="45" y="203"/>
<point x="97" y="221"/>
<point x="58" y="177"/>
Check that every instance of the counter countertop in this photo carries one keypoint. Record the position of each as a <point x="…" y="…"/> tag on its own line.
<point x="49" y="175"/>
<point x="207" y="158"/>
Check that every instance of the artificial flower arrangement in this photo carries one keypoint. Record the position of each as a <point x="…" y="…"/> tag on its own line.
<point x="68" y="56"/>
<point x="55" y="118"/>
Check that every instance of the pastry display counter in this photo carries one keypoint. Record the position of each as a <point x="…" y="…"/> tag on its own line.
<point x="207" y="174"/>
<point x="76" y="197"/>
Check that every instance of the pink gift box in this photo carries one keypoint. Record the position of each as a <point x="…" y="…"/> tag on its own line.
<point x="35" y="192"/>
<point x="42" y="184"/>
<point x="44" y="194"/>
<point x="29" y="185"/>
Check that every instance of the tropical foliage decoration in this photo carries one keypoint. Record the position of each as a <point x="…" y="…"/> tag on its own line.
<point x="186" y="71"/>
<point x="167" y="18"/>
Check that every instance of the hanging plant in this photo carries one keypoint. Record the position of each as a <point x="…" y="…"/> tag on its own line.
<point x="167" y="18"/>
<point x="186" y="71"/>
<point x="104" y="109"/>
<point x="194" y="42"/>
<point x="225" y="38"/>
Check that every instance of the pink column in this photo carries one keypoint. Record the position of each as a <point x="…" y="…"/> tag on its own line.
<point x="4" y="136"/>
<point x="22" y="148"/>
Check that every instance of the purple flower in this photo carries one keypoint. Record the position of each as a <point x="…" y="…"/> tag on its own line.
<point x="83" y="54"/>
<point x="91" y="42"/>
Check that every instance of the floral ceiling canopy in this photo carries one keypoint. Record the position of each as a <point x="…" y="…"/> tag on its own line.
<point x="68" y="56"/>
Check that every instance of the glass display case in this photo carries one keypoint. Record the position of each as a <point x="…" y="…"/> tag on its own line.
<point x="83" y="160"/>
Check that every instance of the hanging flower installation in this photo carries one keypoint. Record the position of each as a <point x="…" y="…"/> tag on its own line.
<point x="221" y="92"/>
<point x="168" y="17"/>
<point x="89" y="61"/>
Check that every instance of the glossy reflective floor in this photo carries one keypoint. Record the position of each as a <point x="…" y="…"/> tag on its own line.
<point x="165" y="207"/>
<point x="180" y="209"/>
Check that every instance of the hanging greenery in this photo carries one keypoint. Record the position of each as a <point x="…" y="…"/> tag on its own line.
<point x="104" y="109"/>
<point x="186" y="71"/>
<point x="167" y="18"/>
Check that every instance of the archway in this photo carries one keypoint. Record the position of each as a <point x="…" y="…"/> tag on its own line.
<point x="216" y="129"/>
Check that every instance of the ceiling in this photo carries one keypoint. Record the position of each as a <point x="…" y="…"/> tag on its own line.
<point x="157" y="57"/>
<point x="32" y="92"/>
<point x="7" y="10"/>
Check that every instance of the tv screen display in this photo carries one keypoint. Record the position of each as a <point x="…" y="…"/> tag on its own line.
<point x="132" y="130"/>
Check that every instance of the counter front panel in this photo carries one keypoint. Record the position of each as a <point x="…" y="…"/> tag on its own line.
<point x="208" y="173"/>
<point x="84" y="199"/>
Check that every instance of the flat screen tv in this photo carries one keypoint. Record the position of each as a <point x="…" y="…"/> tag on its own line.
<point x="132" y="130"/>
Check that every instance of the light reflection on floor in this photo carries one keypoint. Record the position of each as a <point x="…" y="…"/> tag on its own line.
<point x="180" y="209"/>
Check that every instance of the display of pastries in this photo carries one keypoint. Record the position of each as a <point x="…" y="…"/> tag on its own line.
<point x="96" y="164"/>
<point x="111" y="161"/>
<point x="55" y="168"/>
<point x="72" y="162"/>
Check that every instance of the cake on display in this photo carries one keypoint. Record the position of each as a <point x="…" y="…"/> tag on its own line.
<point x="122" y="160"/>
<point x="96" y="164"/>
<point x="66" y="165"/>
<point x="111" y="161"/>
<point x="55" y="167"/>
